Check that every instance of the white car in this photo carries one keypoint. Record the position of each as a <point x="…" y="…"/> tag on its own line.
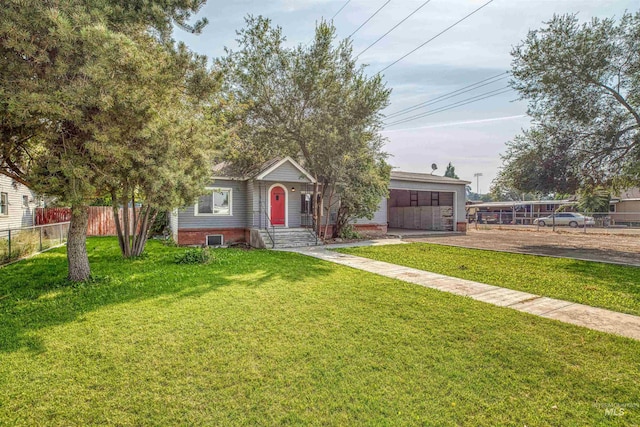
<point x="571" y="219"/>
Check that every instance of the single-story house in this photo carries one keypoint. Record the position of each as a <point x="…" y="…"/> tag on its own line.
<point x="17" y="204"/>
<point x="274" y="203"/>
<point x="624" y="208"/>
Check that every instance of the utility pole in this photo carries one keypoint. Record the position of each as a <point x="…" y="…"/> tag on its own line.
<point x="477" y="177"/>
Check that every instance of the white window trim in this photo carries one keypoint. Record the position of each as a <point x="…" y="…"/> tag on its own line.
<point x="212" y="189"/>
<point x="286" y="203"/>
<point x="307" y="192"/>
<point x="7" y="204"/>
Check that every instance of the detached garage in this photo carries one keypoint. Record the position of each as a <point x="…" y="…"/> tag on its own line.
<point x="419" y="201"/>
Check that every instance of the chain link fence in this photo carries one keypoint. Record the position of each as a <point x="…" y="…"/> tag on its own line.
<point x="16" y="243"/>
<point x="602" y="220"/>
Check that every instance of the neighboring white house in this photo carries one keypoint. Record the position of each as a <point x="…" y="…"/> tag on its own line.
<point x="625" y="207"/>
<point x="278" y="197"/>
<point x="17" y="204"/>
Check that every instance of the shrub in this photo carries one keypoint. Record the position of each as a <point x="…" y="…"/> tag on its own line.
<point x="194" y="256"/>
<point x="349" y="232"/>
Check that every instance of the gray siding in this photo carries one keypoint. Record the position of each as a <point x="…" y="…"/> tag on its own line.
<point x="238" y="218"/>
<point x="19" y="215"/>
<point x="252" y="204"/>
<point x="380" y="217"/>
<point x="261" y="197"/>
<point x="286" y="172"/>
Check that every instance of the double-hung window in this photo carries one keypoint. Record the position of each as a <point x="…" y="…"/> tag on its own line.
<point x="4" y="203"/>
<point x="218" y="201"/>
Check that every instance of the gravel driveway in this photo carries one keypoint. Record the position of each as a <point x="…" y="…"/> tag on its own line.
<point x="623" y="249"/>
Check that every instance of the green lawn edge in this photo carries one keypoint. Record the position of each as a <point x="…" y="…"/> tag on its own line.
<point x="266" y="338"/>
<point x="611" y="286"/>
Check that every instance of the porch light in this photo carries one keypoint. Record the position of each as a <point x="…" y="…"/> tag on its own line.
<point x="293" y="189"/>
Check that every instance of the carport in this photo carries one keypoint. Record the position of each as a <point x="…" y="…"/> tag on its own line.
<point x="426" y="202"/>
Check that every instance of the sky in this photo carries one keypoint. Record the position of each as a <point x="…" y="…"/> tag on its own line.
<point x="471" y="137"/>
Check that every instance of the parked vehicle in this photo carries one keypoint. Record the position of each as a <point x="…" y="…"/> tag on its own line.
<point x="571" y="219"/>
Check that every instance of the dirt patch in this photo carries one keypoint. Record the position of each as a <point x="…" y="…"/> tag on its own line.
<point x="614" y="248"/>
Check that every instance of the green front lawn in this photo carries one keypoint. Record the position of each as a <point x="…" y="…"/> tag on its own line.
<point x="270" y="338"/>
<point x="596" y="284"/>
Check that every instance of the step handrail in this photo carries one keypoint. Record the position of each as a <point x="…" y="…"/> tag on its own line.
<point x="273" y="228"/>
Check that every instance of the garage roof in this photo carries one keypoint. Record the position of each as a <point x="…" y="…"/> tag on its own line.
<point x="425" y="177"/>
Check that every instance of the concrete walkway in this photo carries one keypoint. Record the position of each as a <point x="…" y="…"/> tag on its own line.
<point x="578" y="314"/>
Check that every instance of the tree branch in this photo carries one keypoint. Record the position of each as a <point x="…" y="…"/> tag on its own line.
<point x="621" y="100"/>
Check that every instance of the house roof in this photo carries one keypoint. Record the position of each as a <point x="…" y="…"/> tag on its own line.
<point x="275" y="165"/>
<point x="226" y="170"/>
<point x="630" y="194"/>
<point x="425" y="177"/>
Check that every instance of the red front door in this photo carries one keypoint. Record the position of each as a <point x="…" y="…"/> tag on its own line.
<point x="277" y="206"/>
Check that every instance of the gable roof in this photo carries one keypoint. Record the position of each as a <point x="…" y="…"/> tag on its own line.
<point x="266" y="171"/>
<point x="226" y="170"/>
<point x="425" y="177"/>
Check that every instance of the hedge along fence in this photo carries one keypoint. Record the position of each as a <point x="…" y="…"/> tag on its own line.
<point x="16" y="243"/>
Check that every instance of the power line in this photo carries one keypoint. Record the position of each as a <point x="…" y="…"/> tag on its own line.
<point x="469" y="88"/>
<point x="369" y="19"/>
<point x="340" y="10"/>
<point x="434" y="37"/>
<point x="454" y="105"/>
<point x="394" y="27"/>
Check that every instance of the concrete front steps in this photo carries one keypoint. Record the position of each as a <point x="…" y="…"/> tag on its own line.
<point x="288" y="238"/>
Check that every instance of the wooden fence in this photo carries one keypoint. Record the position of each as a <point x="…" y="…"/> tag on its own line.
<point x="101" y="219"/>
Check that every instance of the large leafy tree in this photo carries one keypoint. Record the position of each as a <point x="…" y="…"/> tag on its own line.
<point x="582" y="83"/>
<point x="154" y="127"/>
<point x="450" y="172"/>
<point x="311" y="102"/>
<point x="53" y="128"/>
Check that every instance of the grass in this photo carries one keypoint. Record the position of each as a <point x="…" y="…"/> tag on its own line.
<point x="611" y="286"/>
<point x="264" y="338"/>
<point x="27" y="242"/>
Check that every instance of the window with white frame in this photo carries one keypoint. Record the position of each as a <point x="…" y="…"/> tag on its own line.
<point x="216" y="202"/>
<point x="4" y="203"/>
<point x="25" y="201"/>
<point x="306" y="203"/>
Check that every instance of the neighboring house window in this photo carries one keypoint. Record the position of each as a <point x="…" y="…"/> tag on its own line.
<point x="612" y="207"/>
<point x="25" y="201"/>
<point x="550" y="208"/>
<point x="4" y="204"/>
<point x="218" y="202"/>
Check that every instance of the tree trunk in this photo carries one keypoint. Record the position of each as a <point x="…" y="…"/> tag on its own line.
<point x="77" y="257"/>
<point x="116" y="217"/>
<point x="149" y="218"/>
<point x="126" y="224"/>
<point x="316" y="208"/>
<point x="328" y="217"/>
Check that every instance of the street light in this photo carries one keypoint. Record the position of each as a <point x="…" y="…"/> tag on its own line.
<point x="477" y="177"/>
